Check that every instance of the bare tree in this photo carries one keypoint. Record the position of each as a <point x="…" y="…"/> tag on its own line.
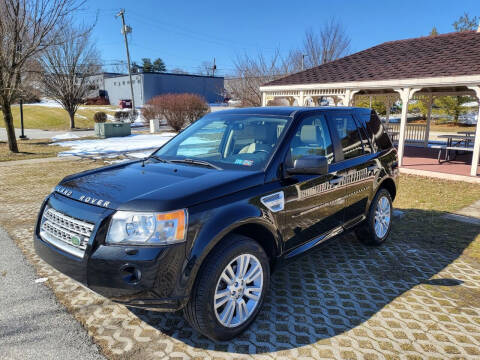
<point x="253" y="71"/>
<point x="67" y="68"/>
<point x="329" y="44"/>
<point x="27" y="27"/>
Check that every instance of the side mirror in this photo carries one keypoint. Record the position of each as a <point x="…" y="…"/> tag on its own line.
<point x="310" y="165"/>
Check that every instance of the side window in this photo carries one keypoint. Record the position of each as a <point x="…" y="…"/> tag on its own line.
<point x="348" y="135"/>
<point x="367" y="148"/>
<point x="312" y="138"/>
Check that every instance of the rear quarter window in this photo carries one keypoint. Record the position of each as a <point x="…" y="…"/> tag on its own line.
<point x="376" y="131"/>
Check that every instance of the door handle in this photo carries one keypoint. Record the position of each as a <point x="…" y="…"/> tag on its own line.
<point x="336" y="180"/>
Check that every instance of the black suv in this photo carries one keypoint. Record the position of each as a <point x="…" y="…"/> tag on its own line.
<point x="201" y="223"/>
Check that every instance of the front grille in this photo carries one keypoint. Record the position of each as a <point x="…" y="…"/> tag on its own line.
<point x="65" y="232"/>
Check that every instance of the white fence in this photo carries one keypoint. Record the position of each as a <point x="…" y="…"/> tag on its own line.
<point x="414" y="133"/>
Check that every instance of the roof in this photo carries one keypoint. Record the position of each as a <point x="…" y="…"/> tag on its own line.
<point x="152" y="73"/>
<point x="282" y="110"/>
<point x="452" y="54"/>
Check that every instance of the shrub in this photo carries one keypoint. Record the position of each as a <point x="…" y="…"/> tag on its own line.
<point x="121" y="115"/>
<point x="100" y="117"/>
<point x="178" y="109"/>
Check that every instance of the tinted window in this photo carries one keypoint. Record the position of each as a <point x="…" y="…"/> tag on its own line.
<point x="379" y="136"/>
<point x="311" y="138"/>
<point x="348" y="135"/>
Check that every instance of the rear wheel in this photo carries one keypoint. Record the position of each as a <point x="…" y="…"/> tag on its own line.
<point x="377" y="226"/>
<point x="230" y="289"/>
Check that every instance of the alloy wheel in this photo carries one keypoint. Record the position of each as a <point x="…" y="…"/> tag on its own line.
<point x="382" y="217"/>
<point x="238" y="291"/>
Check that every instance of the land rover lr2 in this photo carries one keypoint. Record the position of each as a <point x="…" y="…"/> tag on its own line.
<point x="201" y="223"/>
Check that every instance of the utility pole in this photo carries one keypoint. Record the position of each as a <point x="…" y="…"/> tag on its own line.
<point x="303" y="61"/>
<point x="214" y="67"/>
<point x="126" y="30"/>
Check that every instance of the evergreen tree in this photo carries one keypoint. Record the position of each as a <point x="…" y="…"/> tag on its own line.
<point x="147" y="65"/>
<point x="159" y="65"/>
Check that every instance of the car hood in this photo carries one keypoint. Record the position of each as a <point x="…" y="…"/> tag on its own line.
<point x="155" y="186"/>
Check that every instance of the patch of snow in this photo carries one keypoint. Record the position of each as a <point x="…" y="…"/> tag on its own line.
<point x="40" y="280"/>
<point x="112" y="147"/>
<point x="65" y="137"/>
<point x="47" y="103"/>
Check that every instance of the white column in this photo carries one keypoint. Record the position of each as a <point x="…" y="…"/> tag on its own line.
<point x="429" y="118"/>
<point x="388" y="106"/>
<point x="348" y="97"/>
<point x="476" y="145"/>
<point x="405" y="94"/>
<point x="264" y="99"/>
<point x="301" y="99"/>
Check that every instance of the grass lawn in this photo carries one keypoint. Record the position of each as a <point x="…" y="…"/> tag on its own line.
<point x="29" y="149"/>
<point x="53" y="118"/>
<point x="445" y="127"/>
<point x="425" y="201"/>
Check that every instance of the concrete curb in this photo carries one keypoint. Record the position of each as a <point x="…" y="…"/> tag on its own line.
<point x="437" y="175"/>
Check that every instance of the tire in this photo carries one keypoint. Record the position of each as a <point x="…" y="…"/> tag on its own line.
<point x="213" y="321"/>
<point x="368" y="233"/>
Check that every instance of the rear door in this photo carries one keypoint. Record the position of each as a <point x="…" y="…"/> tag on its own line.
<point x="356" y="165"/>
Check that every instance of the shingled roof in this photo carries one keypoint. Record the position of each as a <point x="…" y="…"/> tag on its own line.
<point x="452" y="54"/>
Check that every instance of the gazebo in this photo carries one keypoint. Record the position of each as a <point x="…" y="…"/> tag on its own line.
<point x="425" y="67"/>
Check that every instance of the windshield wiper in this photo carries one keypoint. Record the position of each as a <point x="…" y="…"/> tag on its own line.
<point x="197" y="162"/>
<point x="159" y="159"/>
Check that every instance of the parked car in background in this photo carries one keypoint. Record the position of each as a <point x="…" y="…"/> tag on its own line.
<point x="201" y="223"/>
<point x="469" y="118"/>
<point x="125" y="104"/>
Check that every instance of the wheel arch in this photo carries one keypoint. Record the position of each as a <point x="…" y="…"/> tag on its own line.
<point x="389" y="185"/>
<point x="254" y="224"/>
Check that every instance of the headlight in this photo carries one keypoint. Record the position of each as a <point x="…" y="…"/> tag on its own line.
<point x="145" y="228"/>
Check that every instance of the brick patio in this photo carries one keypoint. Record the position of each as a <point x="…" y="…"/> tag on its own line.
<point x="420" y="158"/>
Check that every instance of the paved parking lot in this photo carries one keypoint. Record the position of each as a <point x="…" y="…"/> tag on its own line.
<point x="416" y="297"/>
<point x="32" y="322"/>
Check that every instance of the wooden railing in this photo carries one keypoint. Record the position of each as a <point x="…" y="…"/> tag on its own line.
<point x="414" y="133"/>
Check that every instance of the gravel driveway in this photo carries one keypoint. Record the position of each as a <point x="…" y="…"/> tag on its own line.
<point x="33" y="325"/>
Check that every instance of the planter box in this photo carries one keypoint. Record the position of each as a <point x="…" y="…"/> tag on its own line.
<point x="112" y="129"/>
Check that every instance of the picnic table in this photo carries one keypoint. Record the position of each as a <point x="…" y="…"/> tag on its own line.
<point x="467" y="133"/>
<point x="456" y="143"/>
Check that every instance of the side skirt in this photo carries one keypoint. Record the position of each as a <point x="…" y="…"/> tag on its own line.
<point x="312" y="243"/>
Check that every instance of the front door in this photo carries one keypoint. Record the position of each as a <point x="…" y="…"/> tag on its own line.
<point x="314" y="204"/>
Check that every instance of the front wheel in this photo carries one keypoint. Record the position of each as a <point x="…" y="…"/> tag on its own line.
<point x="230" y="289"/>
<point x="377" y="226"/>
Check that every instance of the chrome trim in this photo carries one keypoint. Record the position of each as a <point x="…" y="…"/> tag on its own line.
<point x="67" y="233"/>
<point x="61" y="245"/>
<point x="68" y="222"/>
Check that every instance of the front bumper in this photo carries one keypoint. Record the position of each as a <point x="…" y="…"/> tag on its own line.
<point x="146" y="277"/>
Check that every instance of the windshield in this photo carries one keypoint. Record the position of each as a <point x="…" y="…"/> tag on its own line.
<point x="227" y="141"/>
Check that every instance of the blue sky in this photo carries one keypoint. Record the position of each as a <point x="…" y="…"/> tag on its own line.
<point x="186" y="33"/>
